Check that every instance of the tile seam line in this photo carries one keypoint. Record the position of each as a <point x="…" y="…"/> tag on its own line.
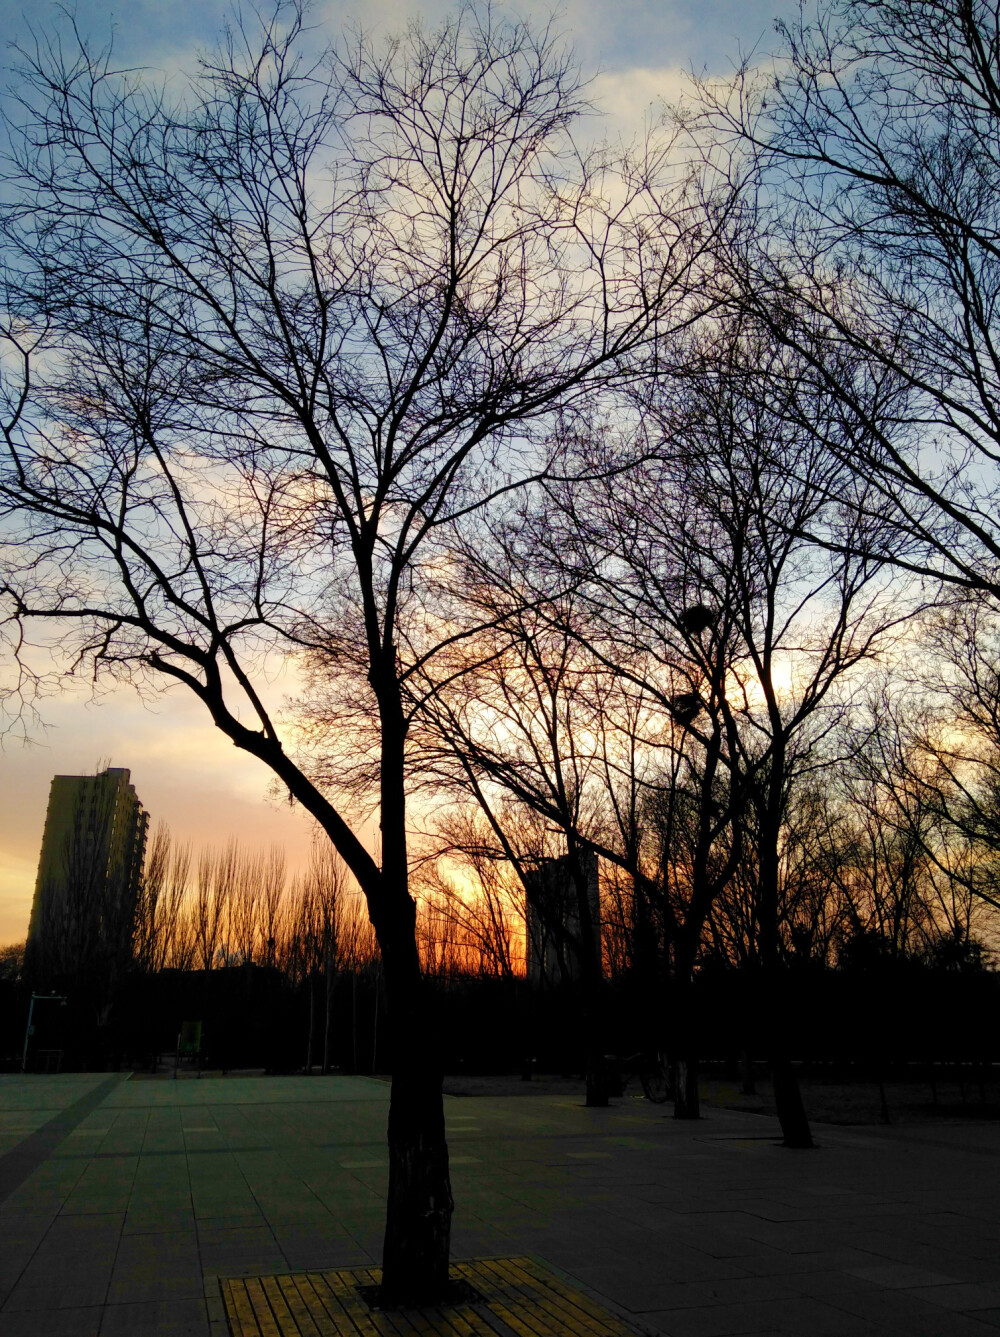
<point x="121" y="1234"/>
<point x="197" y="1229"/>
<point x="257" y="1204"/>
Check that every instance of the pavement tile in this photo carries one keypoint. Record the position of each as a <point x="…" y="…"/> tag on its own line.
<point x="802" y="1317"/>
<point x="173" y="1318"/>
<point x="56" y="1323"/>
<point x="230" y="1221"/>
<point x="67" y="1290"/>
<point x="744" y="1290"/>
<point x="907" y="1253"/>
<point x="155" y="1267"/>
<point x="148" y="1221"/>
<point x="958" y="1296"/>
<point x="918" y="1317"/>
<point x="709" y="1322"/>
<point x="985" y="1271"/>
<point x="774" y="1262"/>
<point x="831" y="1283"/>
<point x="642" y="1297"/>
<point x="898" y="1276"/>
<point x="316" y="1257"/>
<point x="241" y="1251"/>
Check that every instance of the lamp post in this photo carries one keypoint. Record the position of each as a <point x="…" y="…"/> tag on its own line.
<point x="29" y="1030"/>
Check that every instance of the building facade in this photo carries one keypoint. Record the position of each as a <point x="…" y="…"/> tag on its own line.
<point x="554" y="934"/>
<point x="89" y="879"/>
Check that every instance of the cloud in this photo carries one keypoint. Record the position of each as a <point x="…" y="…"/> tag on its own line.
<point x="631" y="98"/>
<point x="381" y="17"/>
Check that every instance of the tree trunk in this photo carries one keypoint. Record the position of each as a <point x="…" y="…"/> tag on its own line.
<point x="787" y="1096"/>
<point x="418" y="1213"/>
<point x="592" y="981"/>
<point x="309" y="1042"/>
<point x="354" y="1018"/>
<point x="598" y="1086"/>
<point x="788" y="1103"/>
<point x="749" y="1080"/>
<point x="375" y="1027"/>
<point x="417" y="1242"/>
<point x="597" y="1079"/>
<point x="687" y="1096"/>
<point x="419" y="1208"/>
<point x="328" y="1001"/>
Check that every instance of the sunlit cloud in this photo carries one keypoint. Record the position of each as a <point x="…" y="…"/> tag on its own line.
<point x="632" y="99"/>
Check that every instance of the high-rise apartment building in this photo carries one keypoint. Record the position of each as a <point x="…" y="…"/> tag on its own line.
<point x="553" y="931"/>
<point x="89" y="876"/>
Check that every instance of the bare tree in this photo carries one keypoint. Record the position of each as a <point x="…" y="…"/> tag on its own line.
<point x="12" y="962"/>
<point x="210" y="908"/>
<point x="754" y="440"/>
<point x="324" y="894"/>
<point x="869" y="153"/>
<point x="517" y="728"/>
<point x="161" y="903"/>
<point x="276" y="337"/>
<point x="920" y="783"/>
<point x="471" y="886"/>
<point x="272" y="895"/>
<point x="726" y="575"/>
<point x="245" y="903"/>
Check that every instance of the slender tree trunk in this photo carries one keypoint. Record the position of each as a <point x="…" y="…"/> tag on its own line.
<point x="375" y="1025"/>
<point x="748" y="997"/>
<point x="705" y="886"/>
<point x="309" y="1041"/>
<point x="598" y="1085"/>
<point x="592" y="980"/>
<point x="687" y="1096"/>
<point x="788" y="1103"/>
<point x="787" y="1095"/>
<point x="328" y="1002"/>
<point x="749" y="1080"/>
<point x="354" y="1018"/>
<point x="417" y="1242"/>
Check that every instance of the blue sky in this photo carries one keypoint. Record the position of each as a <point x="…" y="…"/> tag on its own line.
<point x="183" y="771"/>
<point x="614" y="35"/>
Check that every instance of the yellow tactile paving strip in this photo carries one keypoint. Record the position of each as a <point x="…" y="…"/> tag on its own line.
<point x="519" y="1299"/>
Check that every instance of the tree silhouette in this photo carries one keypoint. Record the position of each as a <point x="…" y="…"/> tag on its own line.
<point x="267" y="343"/>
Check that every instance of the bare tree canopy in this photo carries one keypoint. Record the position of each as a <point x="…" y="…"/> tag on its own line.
<point x="268" y="337"/>
<point x="869" y="156"/>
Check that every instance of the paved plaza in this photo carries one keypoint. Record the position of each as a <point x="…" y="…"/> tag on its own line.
<point x="122" y="1202"/>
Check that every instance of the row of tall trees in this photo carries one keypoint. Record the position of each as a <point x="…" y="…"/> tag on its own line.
<point x="582" y="485"/>
<point x="237" y="906"/>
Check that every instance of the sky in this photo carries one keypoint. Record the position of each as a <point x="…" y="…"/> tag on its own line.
<point x="184" y="772"/>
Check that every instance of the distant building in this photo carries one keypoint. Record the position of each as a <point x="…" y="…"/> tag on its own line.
<point x="89" y="878"/>
<point x="552" y="919"/>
